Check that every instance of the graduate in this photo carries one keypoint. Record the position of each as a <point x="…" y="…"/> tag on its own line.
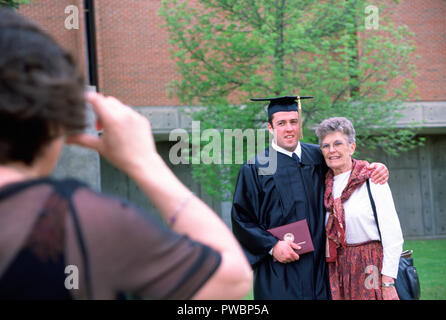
<point x="292" y="189"/>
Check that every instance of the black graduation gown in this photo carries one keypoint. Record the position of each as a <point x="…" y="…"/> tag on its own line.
<point x="271" y="198"/>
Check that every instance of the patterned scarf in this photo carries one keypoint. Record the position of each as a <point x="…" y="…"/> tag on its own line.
<point x="335" y="227"/>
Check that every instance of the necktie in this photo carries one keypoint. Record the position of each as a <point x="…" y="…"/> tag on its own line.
<point x="295" y="157"/>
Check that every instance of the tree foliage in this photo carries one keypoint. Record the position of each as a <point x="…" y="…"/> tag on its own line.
<point x="12" y="3"/>
<point x="228" y="51"/>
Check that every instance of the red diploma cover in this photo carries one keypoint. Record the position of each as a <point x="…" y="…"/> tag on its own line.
<point x="296" y="232"/>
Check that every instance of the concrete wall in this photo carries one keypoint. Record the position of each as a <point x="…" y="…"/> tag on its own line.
<point x="418" y="183"/>
<point x="417" y="178"/>
<point x="116" y="183"/>
<point x="81" y="163"/>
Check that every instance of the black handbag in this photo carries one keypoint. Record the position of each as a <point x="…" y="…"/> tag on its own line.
<point x="407" y="283"/>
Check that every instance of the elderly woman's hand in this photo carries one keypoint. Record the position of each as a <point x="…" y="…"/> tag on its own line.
<point x="389" y="293"/>
<point x="380" y="173"/>
<point x="127" y="140"/>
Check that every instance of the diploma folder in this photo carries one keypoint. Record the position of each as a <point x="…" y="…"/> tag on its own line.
<point x="296" y="232"/>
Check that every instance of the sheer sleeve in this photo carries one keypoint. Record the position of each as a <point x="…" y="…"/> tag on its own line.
<point x="132" y="253"/>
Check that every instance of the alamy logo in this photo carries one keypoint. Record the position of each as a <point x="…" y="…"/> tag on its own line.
<point x="72" y="279"/>
<point x="72" y="20"/>
<point x="372" y="280"/>
<point x="372" y="19"/>
<point x="226" y="146"/>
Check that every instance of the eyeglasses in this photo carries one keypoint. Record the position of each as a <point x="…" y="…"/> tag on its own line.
<point x="336" y="145"/>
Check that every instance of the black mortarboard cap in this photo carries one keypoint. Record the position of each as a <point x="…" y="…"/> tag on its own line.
<point x="287" y="103"/>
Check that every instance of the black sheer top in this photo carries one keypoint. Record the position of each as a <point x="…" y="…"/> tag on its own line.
<point x="61" y="240"/>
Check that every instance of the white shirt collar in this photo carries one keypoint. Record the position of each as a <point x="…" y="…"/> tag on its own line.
<point x="297" y="151"/>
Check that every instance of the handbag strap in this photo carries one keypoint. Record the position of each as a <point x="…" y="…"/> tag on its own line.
<point x="373" y="207"/>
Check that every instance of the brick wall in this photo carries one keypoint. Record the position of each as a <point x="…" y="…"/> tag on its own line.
<point x="133" y="52"/>
<point x="427" y="19"/>
<point x="51" y="16"/>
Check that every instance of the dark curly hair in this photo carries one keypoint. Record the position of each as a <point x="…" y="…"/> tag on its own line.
<point x="41" y="90"/>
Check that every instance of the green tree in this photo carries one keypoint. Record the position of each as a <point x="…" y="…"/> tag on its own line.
<point x="228" y="51"/>
<point x="12" y="3"/>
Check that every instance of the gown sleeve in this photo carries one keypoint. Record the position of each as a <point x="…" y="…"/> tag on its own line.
<point x="246" y="225"/>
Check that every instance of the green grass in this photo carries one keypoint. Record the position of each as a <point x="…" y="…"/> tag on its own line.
<point x="430" y="260"/>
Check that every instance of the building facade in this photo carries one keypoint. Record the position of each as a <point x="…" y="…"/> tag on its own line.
<point x="123" y="49"/>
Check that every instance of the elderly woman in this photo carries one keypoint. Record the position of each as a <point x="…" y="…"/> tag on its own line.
<point x="61" y="240"/>
<point x="360" y="265"/>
